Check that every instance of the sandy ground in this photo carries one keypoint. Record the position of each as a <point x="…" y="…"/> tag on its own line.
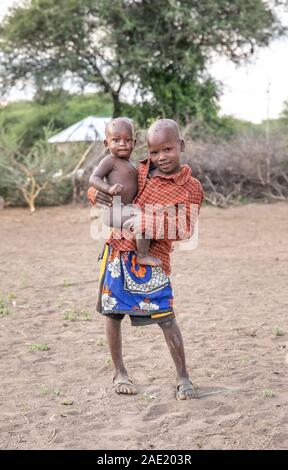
<point x="231" y="302"/>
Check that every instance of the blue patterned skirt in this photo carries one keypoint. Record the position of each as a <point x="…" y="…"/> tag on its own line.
<point x="126" y="287"/>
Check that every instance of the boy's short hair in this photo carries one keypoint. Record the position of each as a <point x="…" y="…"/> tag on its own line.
<point x="168" y="124"/>
<point x="122" y="121"/>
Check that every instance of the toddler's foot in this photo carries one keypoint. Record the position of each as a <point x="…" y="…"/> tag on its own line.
<point x="148" y="260"/>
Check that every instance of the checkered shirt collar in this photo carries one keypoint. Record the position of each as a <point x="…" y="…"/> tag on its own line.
<point x="179" y="178"/>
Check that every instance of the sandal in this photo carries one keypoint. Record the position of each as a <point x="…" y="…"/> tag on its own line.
<point x="118" y="386"/>
<point x="183" y="387"/>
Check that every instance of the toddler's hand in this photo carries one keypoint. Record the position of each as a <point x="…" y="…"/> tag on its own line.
<point x="115" y="189"/>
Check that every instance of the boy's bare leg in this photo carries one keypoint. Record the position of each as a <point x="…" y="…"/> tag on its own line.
<point x="121" y="381"/>
<point x="173" y="337"/>
<point x="143" y="256"/>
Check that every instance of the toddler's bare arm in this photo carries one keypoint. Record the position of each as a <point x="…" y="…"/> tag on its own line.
<point x="100" y="172"/>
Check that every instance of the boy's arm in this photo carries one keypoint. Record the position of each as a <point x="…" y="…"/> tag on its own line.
<point x="187" y="215"/>
<point x="100" y="172"/>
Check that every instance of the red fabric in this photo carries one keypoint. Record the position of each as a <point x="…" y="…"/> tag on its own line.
<point x="91" y="194"/>
<point x="180" y="188"/>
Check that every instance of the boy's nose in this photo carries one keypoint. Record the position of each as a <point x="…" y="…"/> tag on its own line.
<point x="162" y="156"/>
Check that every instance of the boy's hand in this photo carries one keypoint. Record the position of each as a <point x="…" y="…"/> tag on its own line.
<point x="115" y="189"/>
<point x="99" y="198"/>
<point x="91" y="195"/>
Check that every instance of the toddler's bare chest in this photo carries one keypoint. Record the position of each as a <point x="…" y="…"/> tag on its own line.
<point x="123" y="173"/>
<point x="126" y="174"/>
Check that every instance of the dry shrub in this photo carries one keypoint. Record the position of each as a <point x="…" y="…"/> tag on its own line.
<point x="243" y="168"/>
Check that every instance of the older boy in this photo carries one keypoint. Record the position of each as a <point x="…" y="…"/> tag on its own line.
<point x="162" y="180"/>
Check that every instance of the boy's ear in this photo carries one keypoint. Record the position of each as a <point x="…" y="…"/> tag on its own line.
<point x="182" y="145"/>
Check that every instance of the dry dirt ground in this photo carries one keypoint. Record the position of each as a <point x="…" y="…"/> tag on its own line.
<point x="231" y="303"/>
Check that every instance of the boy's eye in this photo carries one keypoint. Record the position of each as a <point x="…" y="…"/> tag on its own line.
<point x="167" y="149"/>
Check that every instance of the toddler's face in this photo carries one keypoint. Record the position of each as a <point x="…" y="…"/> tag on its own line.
<point x="120" y="141"/>
<point x="164" y="150"/>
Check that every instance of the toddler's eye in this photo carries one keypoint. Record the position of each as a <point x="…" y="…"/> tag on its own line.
<point x="168" y="149"/>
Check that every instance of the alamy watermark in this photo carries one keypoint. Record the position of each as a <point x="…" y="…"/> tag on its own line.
<point x="154" y="221"/>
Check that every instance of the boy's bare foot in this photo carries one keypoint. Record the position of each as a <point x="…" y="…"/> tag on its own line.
<point x="123" y="385"/>
<point x="148" y="260"/>
<point x="185" y="390"/>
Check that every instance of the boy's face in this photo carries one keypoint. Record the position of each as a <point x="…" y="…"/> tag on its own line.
<point x="120" y="141"/>
<point x="164" y="150"/>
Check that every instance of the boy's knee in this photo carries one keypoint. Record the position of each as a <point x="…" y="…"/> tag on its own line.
<point x="166" y="325"/>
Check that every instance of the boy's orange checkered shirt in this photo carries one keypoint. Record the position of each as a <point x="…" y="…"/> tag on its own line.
<point x="169" y="190"/>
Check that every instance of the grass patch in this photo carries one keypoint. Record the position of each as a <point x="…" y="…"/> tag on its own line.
<point x="244" y="360"/>
<point x="6" y="302"/>
<point x="4" y="307"/>
<point x="277" y="331"/>
<point x="86" y="315"/>
<point x="100" y="342"/>
<point x="73" y="314"/>
<point x="268" y="393"/>
<point x="47" y="391"/>
<point x="147" y="397"/>
<point x="70" y="315"/>
<point x="39" y="347"/>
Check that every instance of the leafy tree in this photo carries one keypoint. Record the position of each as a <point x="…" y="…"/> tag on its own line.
<point x="174" y="41"/>
<point x="47" y="41"/>
<point x="162" y="48"/>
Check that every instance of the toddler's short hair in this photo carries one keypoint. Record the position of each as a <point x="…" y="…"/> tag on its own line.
<point x="119" y="121"/>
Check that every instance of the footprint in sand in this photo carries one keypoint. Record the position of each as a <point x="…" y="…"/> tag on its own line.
<point x="156" y="411"/>
<point x="212" y="404"/>
<point x="224" y="410"/>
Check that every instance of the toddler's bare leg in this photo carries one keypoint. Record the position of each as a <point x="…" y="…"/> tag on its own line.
<point x="173" y="337"/>
<point x="142" y="253"/>
<point x="121" y="381"/>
